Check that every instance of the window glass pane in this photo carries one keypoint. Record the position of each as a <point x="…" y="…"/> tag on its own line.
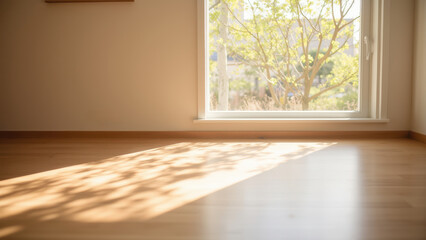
<point x="284" y="55"/>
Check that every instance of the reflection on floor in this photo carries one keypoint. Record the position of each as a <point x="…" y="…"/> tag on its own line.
<point x="230" y="189"/>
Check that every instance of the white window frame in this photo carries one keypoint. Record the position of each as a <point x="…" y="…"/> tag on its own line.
<point x="373" y="73"/>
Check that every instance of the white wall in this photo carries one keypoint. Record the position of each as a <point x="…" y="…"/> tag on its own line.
<point x="419" y="77"/>
<point x="133" y="66"/>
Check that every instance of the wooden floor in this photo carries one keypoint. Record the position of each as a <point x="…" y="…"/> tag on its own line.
<point x="212" y="189"/>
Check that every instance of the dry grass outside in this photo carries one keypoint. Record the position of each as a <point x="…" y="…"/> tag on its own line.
<point x="253" y="103"/>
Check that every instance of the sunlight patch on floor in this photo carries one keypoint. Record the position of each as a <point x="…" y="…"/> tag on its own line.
<point x="142" y="185"/>
<point x="6" y="231"/>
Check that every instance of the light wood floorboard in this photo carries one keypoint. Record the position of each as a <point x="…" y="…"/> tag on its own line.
<point x="191" y="189"/>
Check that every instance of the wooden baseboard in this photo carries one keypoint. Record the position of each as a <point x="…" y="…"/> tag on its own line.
<point x="417" y="136"/>
<point x="206" y="134"/>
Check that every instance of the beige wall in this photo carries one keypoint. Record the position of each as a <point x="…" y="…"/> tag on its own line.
<point x="419" y="77"/>
<point x="133" y="66"/>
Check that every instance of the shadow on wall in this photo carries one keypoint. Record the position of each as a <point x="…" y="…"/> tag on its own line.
<point x="138" y="186"/>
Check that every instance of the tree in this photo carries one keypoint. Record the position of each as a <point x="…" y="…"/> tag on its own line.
<point x="290" y="43"/>
<point x="222" y="55"/>
<point x="221" y="16"/>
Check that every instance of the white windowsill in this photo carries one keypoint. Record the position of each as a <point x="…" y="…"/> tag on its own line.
<point x="290" y="120"/>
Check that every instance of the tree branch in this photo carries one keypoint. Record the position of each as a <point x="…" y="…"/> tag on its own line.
<point x="330" y="88"/>
<point x="215" y="4"/>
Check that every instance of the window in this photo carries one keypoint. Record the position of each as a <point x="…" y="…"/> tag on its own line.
<point x="286" y="58"/>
